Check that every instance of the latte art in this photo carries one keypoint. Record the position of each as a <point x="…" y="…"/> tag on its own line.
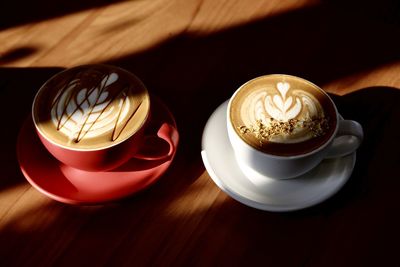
<point x="89" y="114"/>
<point x="282" y="114"/>
<point x="91" y="106"/>
<point x="284" y="106"/>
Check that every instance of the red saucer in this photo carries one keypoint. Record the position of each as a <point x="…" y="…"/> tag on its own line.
<point x="73" y="186"/>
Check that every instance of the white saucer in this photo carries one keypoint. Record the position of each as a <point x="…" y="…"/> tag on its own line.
<point x="272" y="195"/>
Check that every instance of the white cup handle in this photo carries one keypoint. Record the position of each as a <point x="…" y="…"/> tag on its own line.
<point x="348" y="138"/>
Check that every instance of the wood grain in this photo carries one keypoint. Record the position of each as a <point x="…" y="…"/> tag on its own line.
<point x="194" y="54"/>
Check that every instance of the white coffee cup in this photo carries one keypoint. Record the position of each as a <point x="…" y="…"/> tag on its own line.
<point x="346" y="138"/>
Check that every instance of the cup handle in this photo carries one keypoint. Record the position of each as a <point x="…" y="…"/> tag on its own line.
<point x="348" y="138"/>
<point x="160" y="146"/>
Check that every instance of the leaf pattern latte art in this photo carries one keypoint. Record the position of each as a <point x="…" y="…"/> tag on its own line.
<point x="284" y="107"/>
<point x="88" y="112"/>
<point x="281" y="113"/>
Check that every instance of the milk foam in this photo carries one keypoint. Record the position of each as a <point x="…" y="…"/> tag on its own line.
<point x="91" y="107"/>
<point x="89" y="114"/>
<point x="281" y="103"/>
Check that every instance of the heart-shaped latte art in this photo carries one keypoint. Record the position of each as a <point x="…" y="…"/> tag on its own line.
<point x="283" y="87"/>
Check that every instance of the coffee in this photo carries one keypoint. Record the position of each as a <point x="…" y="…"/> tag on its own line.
<point x="91" y="107"/>
<point x="282" y="115"/>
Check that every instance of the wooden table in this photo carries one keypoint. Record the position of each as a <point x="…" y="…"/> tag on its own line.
<point x="194" y="54"/>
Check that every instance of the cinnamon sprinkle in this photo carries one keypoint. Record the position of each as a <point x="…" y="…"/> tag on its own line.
<point x="263" y="132"/>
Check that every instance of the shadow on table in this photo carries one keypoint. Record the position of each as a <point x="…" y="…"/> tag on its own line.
<point x="17" y="89"/>
<point x="169" y="224"/>
<point x="193" y="73"/>
<point x="342" y="231"/>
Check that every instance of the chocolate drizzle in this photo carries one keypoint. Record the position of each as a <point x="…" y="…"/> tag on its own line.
<point x="115" y="135"/>
<point x="96" y="84"/>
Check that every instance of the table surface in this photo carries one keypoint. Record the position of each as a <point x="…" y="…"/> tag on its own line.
<point x="193" y="54"/>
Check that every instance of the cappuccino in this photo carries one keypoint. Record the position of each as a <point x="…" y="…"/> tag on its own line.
<point x="91" y="107"/>
<point x="282" y="115"/>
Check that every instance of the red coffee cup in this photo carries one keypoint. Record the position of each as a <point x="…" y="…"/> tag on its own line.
<point x="79" y="90"/>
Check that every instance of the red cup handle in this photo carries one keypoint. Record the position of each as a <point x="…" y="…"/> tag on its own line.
<point x="161" y="146"/>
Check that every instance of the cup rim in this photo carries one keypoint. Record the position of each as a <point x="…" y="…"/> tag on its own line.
<point x="312" y="152"/>
<point x="145" y="120"/>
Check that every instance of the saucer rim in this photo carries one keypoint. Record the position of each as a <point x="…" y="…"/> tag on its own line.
<point x="260" y="205"/>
